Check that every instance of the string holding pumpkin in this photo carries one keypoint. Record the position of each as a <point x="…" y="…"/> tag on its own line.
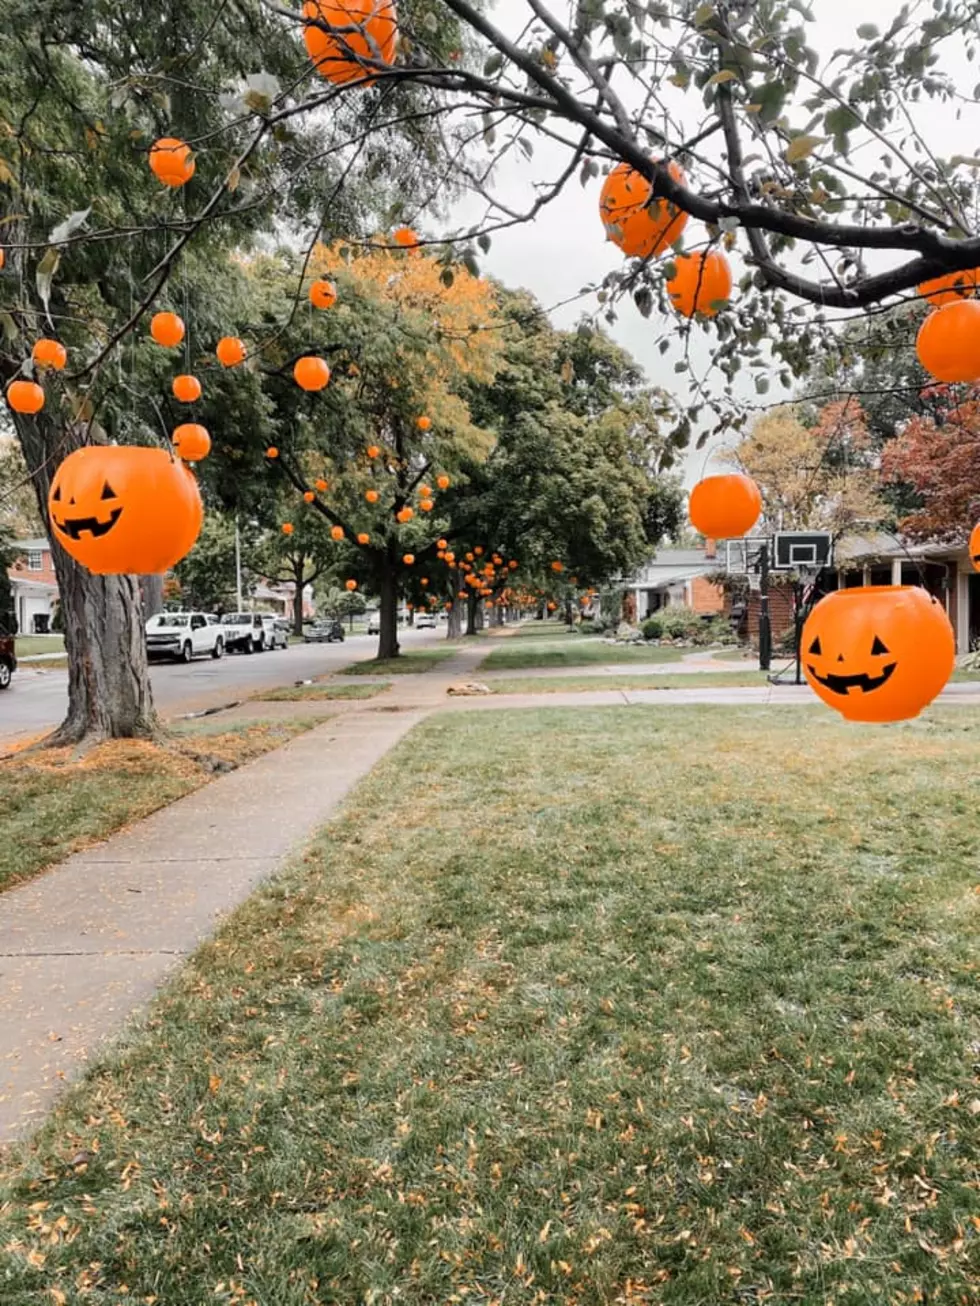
<point x="172" y="161"/>
<point x="125" y="510"/>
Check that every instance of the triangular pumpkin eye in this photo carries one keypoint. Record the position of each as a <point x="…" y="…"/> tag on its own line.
<point x="815" y="647"/>
<point x="56" y="497"/>
<point x="878" y="647"/>
<point x="108" y="492"/>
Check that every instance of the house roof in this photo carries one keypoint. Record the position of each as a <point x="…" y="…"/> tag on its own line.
<point x="860" y="548"/>
<point x="31" y="546"/>
<point x="672" y="566"/>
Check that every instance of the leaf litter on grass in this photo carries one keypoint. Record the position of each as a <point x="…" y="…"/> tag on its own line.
<point x="568" y="1007"/>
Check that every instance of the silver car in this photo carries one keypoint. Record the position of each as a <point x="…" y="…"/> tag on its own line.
<point x="275" y="635"/>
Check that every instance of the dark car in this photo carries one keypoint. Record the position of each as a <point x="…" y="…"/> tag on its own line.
<point x="8" y="660"/>
<point x="324" y="632"/>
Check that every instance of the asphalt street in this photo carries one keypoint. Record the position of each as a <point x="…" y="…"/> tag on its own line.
<point x="37" y="700"/>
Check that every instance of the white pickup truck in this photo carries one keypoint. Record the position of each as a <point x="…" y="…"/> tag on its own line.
<point x="182" y="636"/>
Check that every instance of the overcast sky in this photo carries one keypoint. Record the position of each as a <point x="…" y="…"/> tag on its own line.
<point x="565" y="248"/>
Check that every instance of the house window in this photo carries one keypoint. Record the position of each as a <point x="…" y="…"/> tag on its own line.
<point x="34" y="560"/>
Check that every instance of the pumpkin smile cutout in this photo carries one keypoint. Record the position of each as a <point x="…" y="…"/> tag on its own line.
<point x="878" y="652"/>
<point x="75" y="527"/>
<point x="125" y="511"/>
<point x="975" y="547"/>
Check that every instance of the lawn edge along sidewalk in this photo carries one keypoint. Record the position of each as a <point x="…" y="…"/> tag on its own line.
<point x="85" y="945"/>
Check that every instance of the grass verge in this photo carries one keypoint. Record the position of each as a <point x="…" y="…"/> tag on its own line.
<point x="319" y="691"/>
<point x="517" y="655"/>
<point x="585" y="684"/>
<point x="31" y="645"/>
<point x="686" y="1012"/>
<point x="407" y="664"/>
<point x="537" y="629"/>
<point x="51" y="804"/>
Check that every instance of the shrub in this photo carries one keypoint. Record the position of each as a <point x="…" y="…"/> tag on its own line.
<point x="652" y="628"/>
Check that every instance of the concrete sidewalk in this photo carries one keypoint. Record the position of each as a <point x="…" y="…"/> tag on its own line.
<point x="85" y="945"/>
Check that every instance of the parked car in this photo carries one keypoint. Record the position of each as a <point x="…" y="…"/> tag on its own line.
<point x="8" y="660"/>
<point x="244" y="632"/>
<point x="324" y="632"/>
<point x="275" y="635"/>
<point x="183" y="635"/>
<point x="425" y="621"/>
<point x="374" y="625"/>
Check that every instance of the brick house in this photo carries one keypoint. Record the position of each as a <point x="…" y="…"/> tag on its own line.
<point x="34" y="586"/>
<point x="679" y="578"/>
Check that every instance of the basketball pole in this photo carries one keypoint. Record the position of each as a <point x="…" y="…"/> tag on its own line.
<point x="765" y="626"/>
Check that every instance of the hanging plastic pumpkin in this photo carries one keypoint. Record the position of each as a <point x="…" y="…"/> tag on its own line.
<point x="49" y="353"/>
<point x="408" y="559"/>
<point x="425" y="491"/>
<point x="426" y="505"/>
<point x="878" y="653"/>
<point x="311" y="373"/>
<point x="186" y="388"/>
<point x="25" y="397"/>
<point x="442" y="482"/>
<point x="308" y="496"/>
<point x="639" y="227"/>
<point x="948" y="343"/>
<point x="423" y="422"/>
<point x="350" y="585"/>
<point x="192" y="442"/>
<point x="336" y="532"/>
<point x="373" y="450"/>
<point x="423" y="580"/>
<point x="442" y="544"/>
<point x="167" y="329"/>
<point x="557" y="566"/>
<point x="288" y="528"/>
<point x="230" y="351"/>
<point x="363" y="538"/>
<point x="172" y="161"/>
<point x="406" y="238"/>
<point x="323" y="294"/>
<point x="3" y="259"/>
<point x="405" y="514"/>
<point x="336" y="57"/>
<point x="702" y="283"/>
<point x="951" y="287"/>
<point x="321" y="485"/>
<point x="120" y="510"/>
<point x="272" y="452"/>
<point x="722" y="507"/>
<point x="975" y="547"/>
<point x="372" y="496"/>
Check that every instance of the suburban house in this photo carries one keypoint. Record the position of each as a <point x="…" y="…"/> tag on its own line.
<point x="684" y="577"/>
<point x="34" y="586"/>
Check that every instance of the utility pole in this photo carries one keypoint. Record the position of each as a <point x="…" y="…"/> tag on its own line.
<point x="238" y="566"/>
<point x="765" y="626"/>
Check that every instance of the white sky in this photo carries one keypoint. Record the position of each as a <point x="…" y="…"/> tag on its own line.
<point x="565" y="248"/>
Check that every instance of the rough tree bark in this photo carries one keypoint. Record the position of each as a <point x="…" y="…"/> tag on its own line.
<point x="109" y="695"/>
<point x="454" y="627"/>
<point x="297" y="608"/>
<point x="151" y="589"/>
<point x="388" y="614"/>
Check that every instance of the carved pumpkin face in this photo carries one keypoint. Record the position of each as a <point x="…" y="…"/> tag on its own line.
<point x="878" y="653"/>
<point x="123" y="510"/>
<point x="975" y="547"/>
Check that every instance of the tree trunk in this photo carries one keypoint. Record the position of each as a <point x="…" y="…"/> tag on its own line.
<point x="388" y="616"/>
<point x="454" y="627"/>
<point x="151" y="589"/>
<point x="298" y="609"/>
<point x="109" y="695"/>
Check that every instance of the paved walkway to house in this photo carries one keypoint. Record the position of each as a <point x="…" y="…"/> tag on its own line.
<point x="86" y="945"/>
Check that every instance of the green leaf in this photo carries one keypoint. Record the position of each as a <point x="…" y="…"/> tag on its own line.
<point x="703" y="14"/>
<point x="493" y="64"/>
<point x="724" y="75"/>
<point x="483" y="240"/>
<point x="868" y="32"/>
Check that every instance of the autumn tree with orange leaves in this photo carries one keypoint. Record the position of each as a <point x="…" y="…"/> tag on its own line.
<point x="939" y="457"/>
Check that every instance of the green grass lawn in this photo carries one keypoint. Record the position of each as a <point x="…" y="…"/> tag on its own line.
<point x="591" y="1007"/>
<point x="661" y="680"/>
<point x="534" y="629"/>
<point x="407" y="664"/>
<point x="52" y="804"/>
<point x="30" y="645"/>
<point x="320" y="690"/>
<point x="517" y="655"/>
